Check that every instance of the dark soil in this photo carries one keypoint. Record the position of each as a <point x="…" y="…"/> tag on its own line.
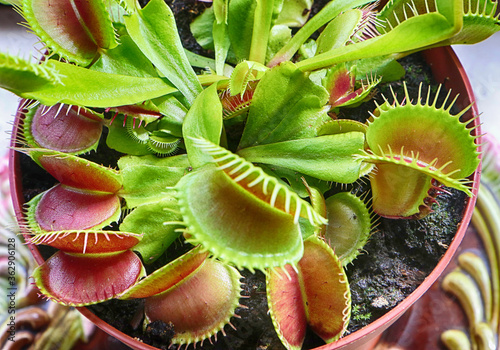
<point x="397" y="258"/>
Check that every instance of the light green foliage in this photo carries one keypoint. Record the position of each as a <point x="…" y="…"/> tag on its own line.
<point x="20" y="76"/>
<point x="294" y="13"/>
<point x="293" y="111"/>
<point x="313" y="156"/>
<point x="349" y="225"/>
<point x="153" y="29"/>
<point x="145" y="179"/>
<point x="148" y="220"/>
<point x="204" y="119"/>
<point x="55" y="82"/>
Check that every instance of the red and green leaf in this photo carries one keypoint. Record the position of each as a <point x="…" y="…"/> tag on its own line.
<point x="340" y="82"/>
<point x="200" y="305"/>
<point x="75" y="30"/>
<point x="63" y="128"/>
<point x="168" y="276"/>
<point x="316" y="295"/>
<point x="326" y="290"/>
<point x="64" y="208"/>
<point x="79" y="280"/>
<point x="87" y="241"/>
<point x="76" y="172"/>
<point x="286" y="305"/>
<point x="144" y="112"/>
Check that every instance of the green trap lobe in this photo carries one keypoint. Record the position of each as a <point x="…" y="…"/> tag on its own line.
<point x="286" y="306"/>
<point x="200" y="306"/>
<point x="326" y="290"/>
<point x="168" y="276"/>
<point x="235" y="225"/>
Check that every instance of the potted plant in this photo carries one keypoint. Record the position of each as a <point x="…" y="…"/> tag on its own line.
<point x="246" y="163"/>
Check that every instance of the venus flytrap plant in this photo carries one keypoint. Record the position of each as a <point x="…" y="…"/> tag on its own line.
<point x="172" y="295"/>
<point x="315" y="294"/>
<point x="88" y="192"/>
<point x="394" y="151"/>
<point x="340" y="82"/>
<point x="257" y="152"/>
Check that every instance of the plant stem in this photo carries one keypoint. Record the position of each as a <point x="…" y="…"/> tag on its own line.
<point x="261" y="28"/>
<point x="329" y="12"/>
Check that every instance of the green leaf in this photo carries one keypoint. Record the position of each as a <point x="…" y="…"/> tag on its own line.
<point x="286" y="105"/>
<point x="121" y="140"/>
<point x="149" y="220"/>
<point x="204" y="119"/>
<point x="220" y="10"/>
<point x="125" y="59"/>
<point x="154" y="30"/>
<point x="326" y="158"/>
<point x="221" y="43"/>
<point x="82" y="87"/>
<point x="202" y="27"/>
<point x="145" y="178"/>
<point x="383" y="66"/>
<point x="339" y="30"/>
<point x="413" y="34"/>
<point x="261" y="27"/>
<point x="240" y="26"/>
<point x="278" y="37"/>
<point x="20" y="76"/>
<point x="294" y="13"/>
<point x="327" y="13"/>
<point x="173" y="112"/>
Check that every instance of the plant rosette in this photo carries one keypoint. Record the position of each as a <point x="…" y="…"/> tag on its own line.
<point x="167" y="185"/>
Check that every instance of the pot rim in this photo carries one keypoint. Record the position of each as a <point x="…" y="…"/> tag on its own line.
<point x="446" y="69"/>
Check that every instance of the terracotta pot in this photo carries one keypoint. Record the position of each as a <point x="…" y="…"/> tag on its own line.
<point x="447" y="70"/>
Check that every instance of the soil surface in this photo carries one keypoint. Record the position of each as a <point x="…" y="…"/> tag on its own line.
<point x="397" y="258"/>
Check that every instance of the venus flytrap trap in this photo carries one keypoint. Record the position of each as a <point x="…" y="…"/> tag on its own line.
<point x="429" y="155"/>
<point x="239" y="165"/>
